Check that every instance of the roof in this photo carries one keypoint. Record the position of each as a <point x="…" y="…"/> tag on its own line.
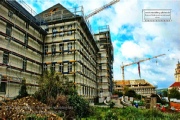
<point x="176" y="84"/>
<point x="54" y="11"/>
<point x="133" y="82"/>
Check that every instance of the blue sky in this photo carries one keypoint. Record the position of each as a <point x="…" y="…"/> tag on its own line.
<point x="133" y="39"/>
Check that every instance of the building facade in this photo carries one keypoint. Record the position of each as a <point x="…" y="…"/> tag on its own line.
<point x="141" y="86"/>
<point x="70" y="49"/>
<point x="56" y="39"/>
<point x="20" y="50"/>
<point x="105" y="61"/>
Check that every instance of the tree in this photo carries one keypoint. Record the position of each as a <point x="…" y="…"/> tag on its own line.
<point x="56" y="90"/>
<point x="51" y="85"/>
<point x="117" y="93"/>
<point x="174" y="93"/>
<point x="130" y="93"/>
<point x="164" y="93"/>
<point x="23" y="90"/>
<point x="80" y="105"/>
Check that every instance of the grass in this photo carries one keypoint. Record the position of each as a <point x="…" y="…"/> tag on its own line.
<point x="130" y="113"/>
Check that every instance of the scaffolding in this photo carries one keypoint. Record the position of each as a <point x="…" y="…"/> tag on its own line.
<point x="81" y="28"/>
<point x="7" y="47"/>
<point x="105" y="60"/>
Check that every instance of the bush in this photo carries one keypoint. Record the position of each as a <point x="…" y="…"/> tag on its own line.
<point x="80" y="105"/>
<point x="111" y="116"/>
<point x="23" y="90"/>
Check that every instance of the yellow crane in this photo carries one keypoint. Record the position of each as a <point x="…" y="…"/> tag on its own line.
<point x="138" y="62"/>
<point x="101" y="9"/>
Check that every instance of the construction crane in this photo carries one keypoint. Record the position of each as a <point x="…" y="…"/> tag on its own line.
<point x="138" y="62"/>
<point x="101" y="9"/>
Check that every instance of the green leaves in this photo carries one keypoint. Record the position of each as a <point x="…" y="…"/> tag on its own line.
<point x="174" y="93"/>
<point x="80" y="105"/>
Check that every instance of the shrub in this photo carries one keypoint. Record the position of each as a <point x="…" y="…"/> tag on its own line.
<point x="80" y="105"/>
<point x="111" y="116"/>
<point x="23" y="90"/>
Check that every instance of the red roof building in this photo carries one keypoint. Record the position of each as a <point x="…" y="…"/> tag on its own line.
<point x="176" y="84"/>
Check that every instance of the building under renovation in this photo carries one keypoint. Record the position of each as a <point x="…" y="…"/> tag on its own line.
<point x="105" y="61"/>
<point x="56" y="39"/>
<point x="140" y="86"/>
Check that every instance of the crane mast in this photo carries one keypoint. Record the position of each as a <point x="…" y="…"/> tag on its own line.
<point x="122" y="67"/>
<point x="101" y="9"/>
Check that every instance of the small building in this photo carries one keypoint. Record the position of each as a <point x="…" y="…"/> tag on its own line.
<point x="140" y="86"/>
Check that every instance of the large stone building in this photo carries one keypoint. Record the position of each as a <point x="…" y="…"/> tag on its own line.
<point x="140" y="86"/>
<point x="56" y="39"/>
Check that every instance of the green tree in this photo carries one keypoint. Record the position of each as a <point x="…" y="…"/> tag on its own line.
<point x="174" y="93"/>
<point x="117" y="93"/>
<point x="51" y="85"/>
<point x="164" y="93"/>
<point x="80" y="105"/>
<point x="130" y="93"/>
<point x="23" y="90"/>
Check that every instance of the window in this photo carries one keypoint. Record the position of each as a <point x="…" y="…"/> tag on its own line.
<point x="53" y="49"/>
<point x="69" y="33"/>
<point x="61" y="48"/>
<point x="54" y="31"/>
<point x="61" y="28"/>
<point x="5" y="58"/>
<point x="100" y="66"/>
<point x="61" y="34"/>
<point x="83" y="69"/>
<point x="26" y="39"/>
<point x="69" y="67"/>
<point x="83" y="90"/>
<point x="61" y="68"/>
<point x="45" y="67"/>
<point x="69" y="45"/>
<point x="101" y="90"/>
<point x="69" y="27"/>
<point x="27" y="25"/>
<point x="53" y="66"/>
<point x="3" y="87"/>
<point x="8" y="29"/>
<point x="10" y="14"/>
<point x="24" y="64"/>
<point x="45" y="49"/>
<point x="0" y="77"/>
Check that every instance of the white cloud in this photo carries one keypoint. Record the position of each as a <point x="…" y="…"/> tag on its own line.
<point x="130" y="49"/>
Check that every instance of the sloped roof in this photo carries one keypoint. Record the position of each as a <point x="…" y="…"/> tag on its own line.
<point x="175" y="84"/>
<point x="55" y="8"/>
<point x="133" y="82"/>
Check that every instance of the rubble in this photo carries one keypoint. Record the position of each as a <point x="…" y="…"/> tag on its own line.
<point x="27" y="106"/>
